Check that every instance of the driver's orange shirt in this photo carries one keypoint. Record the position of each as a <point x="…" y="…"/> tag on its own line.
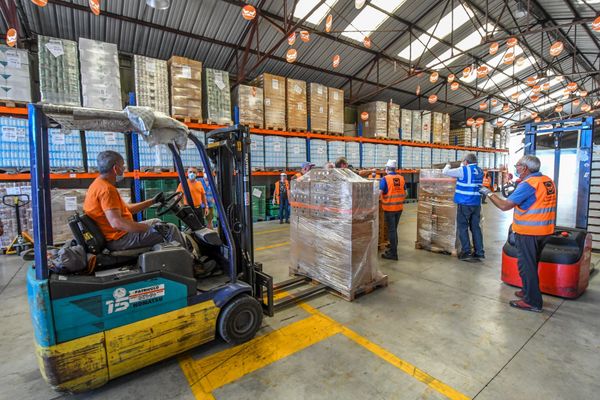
<point x="102" y="196"/>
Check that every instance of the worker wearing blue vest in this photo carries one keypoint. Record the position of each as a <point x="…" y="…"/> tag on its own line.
<point x="469" y="179"/>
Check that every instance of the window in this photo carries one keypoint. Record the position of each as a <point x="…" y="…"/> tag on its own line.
<point x="473" y="40"/>
<point x="369" y="19"/>
<point x="303" y="7"/>
<point x="459" y="16"/>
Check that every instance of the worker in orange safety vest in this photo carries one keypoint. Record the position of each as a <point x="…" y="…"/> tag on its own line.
<point x="281" y="197"/>
<point x="393" y="194"/>
<point x="534" y="203"/>
<point x="487" y="182"/>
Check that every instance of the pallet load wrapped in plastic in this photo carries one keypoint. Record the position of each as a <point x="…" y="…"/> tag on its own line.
<point x="393" y="121"/>
<point x="296" y="105"/>
<point x="151" y="83"/>
<point x="335" y="113"/>
<point x="461" y="137"/>
<point x="64" y="150"/>
<point x="376" y="126"/>
<point x="190" y="156"/>
<point x="406" y="160"/>
<point x="335" y="150"/>
<point x="317" y="110"/>
<point x="425" y="157"/>
<point x="274" y="100"/>
<point x="249" y="100"/>
<point x="296" y="152"/>
<point x="417" y="127"/>
<point x="275" y="152"/>
<point x="437" y="127"/>
<point x="474" y="136"/>
<point x="445" y="128"/>
<point x="488" y="135"/>
<point x="257" y="152"/>
<point x="59" y="76"/>
<point x="368" y="156"/>
<point x="406" y="124"/>
<point x="318" y="152"/>
<point x="436" y="213"/>
<point x="100" y="75"/>
<point x="14" y="144"/>
<point x="186" y="87"/>
<point x="217" y="97"/>
<point x="334" y="231"/>
<point x="96" y="142"/>
<point x="353" y="154"/>
<point x="15" y="80"/>
<point x="426" y="126"/>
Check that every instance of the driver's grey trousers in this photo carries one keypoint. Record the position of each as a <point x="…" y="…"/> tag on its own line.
<point x="134" y="240"/>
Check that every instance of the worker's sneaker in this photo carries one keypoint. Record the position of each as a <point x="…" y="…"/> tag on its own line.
<point x="524" y="306"/>
<point x="466" y="257"/>
<point x="520" y="294"/>
<point x="389" y="256"/>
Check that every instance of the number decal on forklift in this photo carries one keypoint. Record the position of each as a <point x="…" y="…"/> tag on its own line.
<point x="136" y="297"/>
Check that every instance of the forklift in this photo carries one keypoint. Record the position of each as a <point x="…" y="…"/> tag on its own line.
<point x="144" y="305"/>
<point x="564" y="267"/>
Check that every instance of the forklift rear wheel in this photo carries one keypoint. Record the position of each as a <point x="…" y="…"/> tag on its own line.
<point x="240" y="319"/>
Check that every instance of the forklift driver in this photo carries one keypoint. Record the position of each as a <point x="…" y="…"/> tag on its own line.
<point x="104" y="205"/>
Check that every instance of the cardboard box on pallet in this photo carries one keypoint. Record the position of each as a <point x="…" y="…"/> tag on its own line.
<point x="406" y="124"/>
<point x="417" y="127"/>
<point x="376" y="126"/>
<point x="296" y="105"/>
<point x="437" y="127"/>
<point x="100" y="75"/>
<point x="393" y="121"/>
<point x="461" y="137"/>
<point x="335" y="105"/>
<point x="151" y="83"/>
<point x="336" y="248"/>
<point x="446" y="128"/>
<point x="317" y="99"/>
<point x="249" y="100"/>
<point x="488" y="135"/>
<point x="426" y="126"/>
<point x="436" y="212"/>
<point x="186" y="87"/>
<point x="217" y="97"/>
<point x="59" y="77"/>
<point x="15" y="78"/>
<point x="274" y="100"/>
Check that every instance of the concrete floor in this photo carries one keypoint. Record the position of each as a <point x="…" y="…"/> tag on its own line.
<point x="448" y="319"/>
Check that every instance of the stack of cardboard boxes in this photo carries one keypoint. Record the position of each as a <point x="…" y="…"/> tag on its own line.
<point x="249" y="100"/>
<point x="376" y="125"/>
<point x="15" y="81"/>
<point x="335" y="121"/>
<point x="186" y="87"/>
<point x="274" y="100"/>
<point x="296" y="105"/>
<point x="317" y="98"/>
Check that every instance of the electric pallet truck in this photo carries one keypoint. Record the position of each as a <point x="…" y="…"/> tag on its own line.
<point x="564" y="267"/>
<point x="144" y="305"/>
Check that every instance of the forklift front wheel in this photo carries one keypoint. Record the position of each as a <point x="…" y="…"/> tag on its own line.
<point x="240" y="319"/>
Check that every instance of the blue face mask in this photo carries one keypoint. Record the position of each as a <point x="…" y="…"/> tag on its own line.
<point x="120" y="177"/>
<point x="192" y="176"/>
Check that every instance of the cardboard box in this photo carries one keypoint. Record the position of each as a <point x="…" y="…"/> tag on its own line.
<point x="317" y="98"/>
<point x="274" y="100"/>
<point x="393" y="121"/>
<point x="296" y="105"/>
<point x="436" y="127"/>
<point x="100" y="75"/>
<point x="446" y="128"/>
<point x="376" y="126"/>
<point x="417" y="127"/>
<point x="15" y="81"/>
<point x="406" y="124"/>
<point x="426" y="126"/>
<point x="217" y="97"/>
<point x="249" y="100"/>
<point x="335" y="121"/>
<point x="185" y="87"/>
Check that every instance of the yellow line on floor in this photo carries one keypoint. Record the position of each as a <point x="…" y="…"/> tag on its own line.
<point x="385" y="355"/>
<point x="271" y="246"/>
<point x="210" y="373"/>
<point x="271" y="231"/>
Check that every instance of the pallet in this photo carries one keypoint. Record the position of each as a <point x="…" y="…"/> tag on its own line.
<point x="335" y="134"/>
<point x="188" y="120"/>
<point x="358" y="292"/>
<point x="321" y="131"/>
<point x="13" y="104"/>
<point x="275" y="128"/>
<point x="209" y="121"/>
<point x="252" y="126"/>
<point x="438" y="250"/>
<point x="298" y="130"/>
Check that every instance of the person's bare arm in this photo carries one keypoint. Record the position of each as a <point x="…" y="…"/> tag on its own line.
<point x="366" y="172"/>
<point x="137" y="207"/>
<point x="116" y="220"/>
<point x="503" y="204"/>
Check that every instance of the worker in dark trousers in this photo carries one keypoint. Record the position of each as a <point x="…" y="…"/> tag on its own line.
<point x="534" y="203"/>
<point x="469" y="178"/>
<point x="393" y="194"/>
<point x="280" y="196"/>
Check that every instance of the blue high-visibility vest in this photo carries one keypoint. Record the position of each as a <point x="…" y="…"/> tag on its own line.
<point x="467" y="188"/>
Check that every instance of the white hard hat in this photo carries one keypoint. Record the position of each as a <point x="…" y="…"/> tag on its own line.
<point x="391" y="164"/>
<point x="283" y="174"/>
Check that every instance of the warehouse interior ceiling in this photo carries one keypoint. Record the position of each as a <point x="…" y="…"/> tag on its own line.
<point x="387" y="49"/>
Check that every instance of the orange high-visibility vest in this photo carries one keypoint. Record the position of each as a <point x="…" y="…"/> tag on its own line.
<point x="298" y="175"/>
<point x="393" y="200"/>
<point x="539" y="219"/>
<point x="276" y="194"/>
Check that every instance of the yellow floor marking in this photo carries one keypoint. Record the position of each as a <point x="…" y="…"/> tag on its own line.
<point x="385" y="355"/>
<point x="217" y="370"/>
<point x="271" y="231"/>
<point x="271" y="246"/>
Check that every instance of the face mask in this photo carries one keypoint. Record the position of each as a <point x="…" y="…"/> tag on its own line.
<point x="192" y="176"/>
<point x="120" y="177"/>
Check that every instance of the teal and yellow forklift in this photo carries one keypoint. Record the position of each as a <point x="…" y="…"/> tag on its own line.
<point x="144" y="305"/>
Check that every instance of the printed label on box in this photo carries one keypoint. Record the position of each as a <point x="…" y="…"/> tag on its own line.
<point x="256" y="193"/>
<point x="13" y="190"/>
<point x="297" y="89"/>
<point x="110" y="138"/>
<point x="9" y="133"/>
<point x="55" y="47"/>
<point x="319" y="90"/>
<point x="151" y="66"/>
<point x="13" y="60"/>
<point x="321" y="110"/>
<point x="21" y="134"/>
<point x="277" y="146"/>
<point x="335" y="96"/>
<point x="186" y="72"/>
<point x="70" y="203"/>
<point x="219" y="80"/>
<point x="296" y="149"/>
<point x="275" y="84"/>
<point x="300" y="107"/>
<point x="267" y="101"/>
<point x="58" y="139"/>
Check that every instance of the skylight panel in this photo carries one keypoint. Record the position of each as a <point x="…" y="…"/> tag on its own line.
<point x="450" y="22"/>
<point x="473" y="40"/>
<point x="303" y="7"/>
<point x="369" y="19"/>
<point x="511" y="70"/>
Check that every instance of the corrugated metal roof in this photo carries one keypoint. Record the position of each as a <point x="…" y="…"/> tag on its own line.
<point x="211" y="30"/>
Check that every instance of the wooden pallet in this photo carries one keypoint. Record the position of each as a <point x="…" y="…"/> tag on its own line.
<point x="209" y="121"/>
<point x="12" y="104"/>
<point x="335" y="134"/>
<point x="438" y="250"/>
<point x="188" y="120"/>
<point x="275" y="128"/>
<point x="321" y="131"/>
<point x="363" y="290"/>
<point x="252" y="126"/>
<point x="297" y="130"/>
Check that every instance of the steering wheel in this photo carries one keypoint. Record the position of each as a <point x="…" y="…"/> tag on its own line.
<point x="169" y="204"/>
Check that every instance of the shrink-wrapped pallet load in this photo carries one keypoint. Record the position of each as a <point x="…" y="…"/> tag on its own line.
<point x="217" y="97"/>
<point x="15" y="80"/>
<point x="59" y="75"/>
<point x="151" y="83"/>
<point x="249" y="100"/>
<point x="393" y="130"/>
<point x="406" y="124"/>
<point x="100" y="75"/>
<point x="376" y="124"/>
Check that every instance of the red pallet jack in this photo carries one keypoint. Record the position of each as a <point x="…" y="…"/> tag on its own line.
<point x="23" y="241"/>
